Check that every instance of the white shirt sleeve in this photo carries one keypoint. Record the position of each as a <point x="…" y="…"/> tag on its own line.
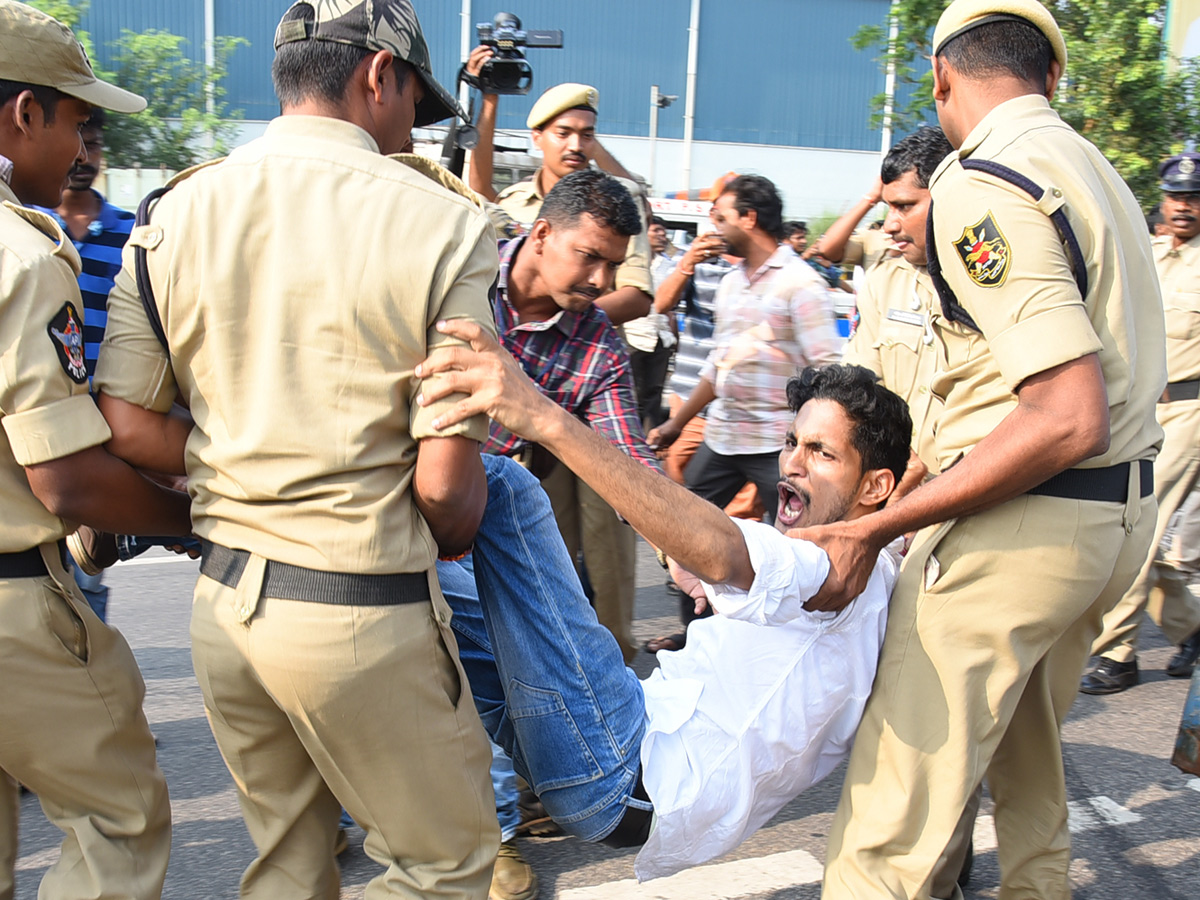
<point x="787" y="572"/>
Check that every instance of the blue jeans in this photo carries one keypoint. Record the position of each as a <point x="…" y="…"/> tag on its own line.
<point x="548" y="680"/>
<point x="93" y="589"/>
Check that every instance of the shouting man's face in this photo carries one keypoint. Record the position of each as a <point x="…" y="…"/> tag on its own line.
<point x="822" y="476"/>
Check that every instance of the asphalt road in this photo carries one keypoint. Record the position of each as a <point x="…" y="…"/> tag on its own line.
<point x="1136" y="819"/>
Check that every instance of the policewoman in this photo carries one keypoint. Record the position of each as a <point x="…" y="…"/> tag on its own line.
<point x="1051" y="338"/>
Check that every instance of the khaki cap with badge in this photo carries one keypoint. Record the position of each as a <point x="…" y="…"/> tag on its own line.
<point x="390" y="25"/>
<point x="38" y="49"/>
<point x="558" y="99"/>
<point x="963" y="15"/>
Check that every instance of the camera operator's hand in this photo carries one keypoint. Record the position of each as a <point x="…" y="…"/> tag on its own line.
<point x="475" y="61"/>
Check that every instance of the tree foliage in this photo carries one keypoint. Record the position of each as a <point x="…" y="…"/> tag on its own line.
<point x="1119" y="90"/>
<point x="180" y="126"/>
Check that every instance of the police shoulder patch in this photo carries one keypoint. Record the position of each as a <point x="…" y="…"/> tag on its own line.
<point x="985" y="252"/>
<point x="66" y="333"/>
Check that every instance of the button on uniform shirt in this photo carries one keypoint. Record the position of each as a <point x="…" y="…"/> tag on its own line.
<point x="523" y="201"/>
<point x="295" y="322"/>
<point x="770" y="324"/>
<point x="762" y="703"/>
<point x="1179" y="274"/>
<point x="578" y="361"/>
<point x="44" y="404"/>
<point x="100" y="254"/>
<point x="1023" y="295"/>
<point x="895" y="340"/>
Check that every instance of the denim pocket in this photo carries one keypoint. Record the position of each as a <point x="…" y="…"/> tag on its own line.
<point x="551" y="744"/>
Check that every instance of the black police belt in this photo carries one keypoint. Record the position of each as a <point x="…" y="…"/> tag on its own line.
<point x="1181" y="390"/>
<point x="1109" y="484"/>
<point x="282" y="581"/>
<point x="29" y="563"/>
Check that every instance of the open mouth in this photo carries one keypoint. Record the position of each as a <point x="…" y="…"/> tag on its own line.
<point x="792" y="504"/>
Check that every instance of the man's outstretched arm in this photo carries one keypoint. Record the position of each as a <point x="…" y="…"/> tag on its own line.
<point x="692" y="531"/>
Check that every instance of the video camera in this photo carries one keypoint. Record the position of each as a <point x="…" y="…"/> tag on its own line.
<point x="507" y="72"/>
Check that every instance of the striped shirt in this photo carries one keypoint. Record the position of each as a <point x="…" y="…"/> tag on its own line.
<point x="696" y="325"/>
<point x="578" y="361"/>
<point x="769" y="325"/>
<point x="100" y="252"/>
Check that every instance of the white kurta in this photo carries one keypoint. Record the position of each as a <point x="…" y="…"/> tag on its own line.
<point x="762" y="702"/>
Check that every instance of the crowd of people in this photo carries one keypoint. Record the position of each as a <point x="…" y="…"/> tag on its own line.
<point x="427" y="470"/>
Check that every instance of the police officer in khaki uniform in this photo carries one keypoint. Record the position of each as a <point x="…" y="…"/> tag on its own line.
<point x="1161" y="587"/>
<point x="1050" y="365"/>
<point x="71" y="721"/>
<point x="298" y="283"/>
<point x="894" y="335"/>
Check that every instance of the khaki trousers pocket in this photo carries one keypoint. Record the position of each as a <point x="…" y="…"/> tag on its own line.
<point x="64" y="621"/>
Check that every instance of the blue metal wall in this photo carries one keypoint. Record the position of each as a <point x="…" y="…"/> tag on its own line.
<point x="770" y="71"/>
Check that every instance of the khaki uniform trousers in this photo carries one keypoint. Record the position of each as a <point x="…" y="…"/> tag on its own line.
<point x="314" y="703"/>
<point x="609" y="546"/>
<point x="1161" y="588"/>
<point x="72" y="730"/>
<point x="988" y="632"/>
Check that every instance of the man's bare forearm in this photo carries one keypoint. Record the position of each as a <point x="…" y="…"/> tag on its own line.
<point x="482" y="170"/>
<point x="95" y="488"/>
<point x="608" y="162"/>
<point x="625" y="304"/>
<point x="694" y="532"/>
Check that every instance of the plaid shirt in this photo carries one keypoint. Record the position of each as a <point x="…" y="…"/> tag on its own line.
<point x="770" y="324"/>
<point x="578" y="361"/>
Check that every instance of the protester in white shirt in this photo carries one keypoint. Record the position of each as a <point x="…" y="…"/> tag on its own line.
<point x="764" y="699"/>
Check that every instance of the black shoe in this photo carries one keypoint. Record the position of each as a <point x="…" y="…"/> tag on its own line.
<point x="1110" y="677"/>
<point x="1181" y="664"/>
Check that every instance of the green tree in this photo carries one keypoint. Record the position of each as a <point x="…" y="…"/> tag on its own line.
<point x="179" y="126"/>
<point x="1119" y="91"/>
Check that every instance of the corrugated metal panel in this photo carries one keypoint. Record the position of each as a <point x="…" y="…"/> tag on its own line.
<point x="621" y="47"/>
<point x="105" y="20"/>
<point x="771" y="71"/>
<point x="248" y="86"/>
<point x="783" y="72"/>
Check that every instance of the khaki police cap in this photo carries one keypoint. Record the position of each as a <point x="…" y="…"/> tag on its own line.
<point x="372" y="25"/>
<point x="963" y="15"/>
<point x="38" y="49"/>
<point x="558" y="99"/>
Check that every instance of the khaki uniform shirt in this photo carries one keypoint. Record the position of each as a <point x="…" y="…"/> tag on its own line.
<point x="865" y="248"/>
<point x="1179" y="274"/>
<point x="895" y="340"/>
<point x="299" y="282"/>
<point x="1003" y="257"/>
<point x="44" y="403"/>
<point x="524" y="199"/>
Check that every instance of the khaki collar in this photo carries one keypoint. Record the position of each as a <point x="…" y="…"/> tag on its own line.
<point x="1188" y="251"/>
<point x="1030" y="106"/>
<point x="322" y="128"/>
<point x="7" y="195"/>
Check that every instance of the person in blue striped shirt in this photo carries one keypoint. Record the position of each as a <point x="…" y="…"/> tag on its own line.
<point x="99" y="231"/>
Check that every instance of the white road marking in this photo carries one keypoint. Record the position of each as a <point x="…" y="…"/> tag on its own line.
<point x="1082" y="815"/>
<point x="1194" y="784"/>
<point x="721" y="881"/>
<point x="1112" y="812"/>
<point x="156" y="561"/>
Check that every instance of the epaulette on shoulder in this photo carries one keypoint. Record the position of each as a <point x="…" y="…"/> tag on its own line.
<point x="41" y="221"/>
<point x="441" y="175"/>
<point x="188" y="173"/>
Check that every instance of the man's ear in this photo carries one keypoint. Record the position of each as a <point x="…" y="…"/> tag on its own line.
<point x="1052" y="77"/>
<point x="381" y="68"/>
<point x="538" y="233"/>
<point x="876" y="486"/>
<point x="535" y="137"/>
<point x="941" y="79"/>
<point x="25" y="113"/>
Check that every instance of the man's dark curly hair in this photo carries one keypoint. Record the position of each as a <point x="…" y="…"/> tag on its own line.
<point x="598" y="195"/>
<point x="882" y="426"/>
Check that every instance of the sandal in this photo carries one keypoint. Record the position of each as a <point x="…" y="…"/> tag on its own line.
<point x="666" y="642"/>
